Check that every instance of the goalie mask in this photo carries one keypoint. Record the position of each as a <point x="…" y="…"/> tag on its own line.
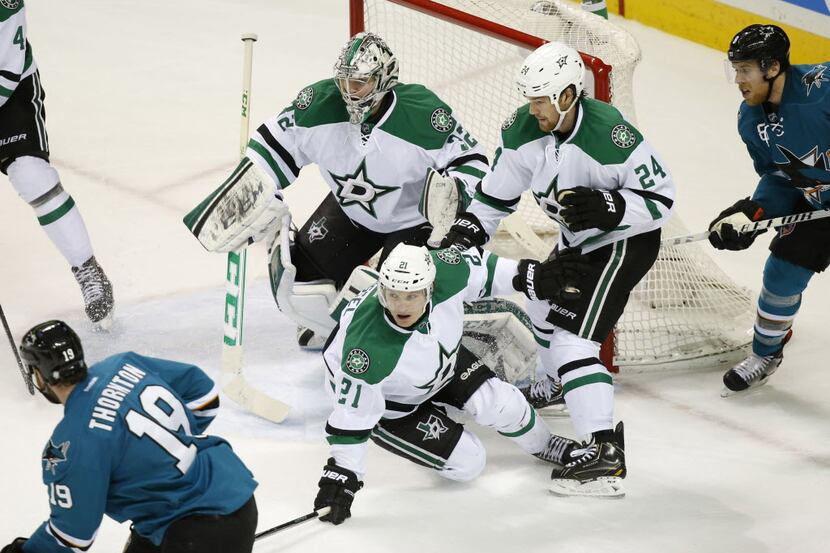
<point x="365" y="71"/>
<point x="549" y="71"/>
<point x="54" y="352"/>
<point x="406" y="282"/>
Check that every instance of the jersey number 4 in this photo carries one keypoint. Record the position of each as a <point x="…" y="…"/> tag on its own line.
<point x="161" y="426"/>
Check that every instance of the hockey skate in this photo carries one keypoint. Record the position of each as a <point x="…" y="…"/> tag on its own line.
<point x="596" y="469"/>
<point x="97" y="292"/>
<point x="546" y="394"/>
<point x="558" y="450"/>
<point x="751" y="372"/>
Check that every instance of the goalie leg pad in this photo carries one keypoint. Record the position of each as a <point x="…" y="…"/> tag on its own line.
<point x="362" y="277"/>
<point x="243" y="210"/>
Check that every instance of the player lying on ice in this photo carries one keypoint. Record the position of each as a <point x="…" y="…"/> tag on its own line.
<point x="395" y="361"/>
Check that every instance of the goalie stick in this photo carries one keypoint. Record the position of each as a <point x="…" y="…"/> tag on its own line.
<point x="26" y="378"/>
<point x="751" y="227"/>
<point x="234" y="384"/>
<point x="291" y="523"/>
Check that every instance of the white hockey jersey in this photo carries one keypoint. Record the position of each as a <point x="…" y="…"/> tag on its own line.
<point x="602" y="152"/>
<point x="377" y="173"/>
<point x="376" y="369"/>
<point x="16" y="60"/>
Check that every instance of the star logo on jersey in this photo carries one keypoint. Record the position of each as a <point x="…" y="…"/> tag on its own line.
<point x="623" y="136"/>
<point x="54" y="454"/>
<point x="433" y="428"/>
<point x="444" y="373"/>
<point x="441" y="120"/>
<point x="10" y="4"/>
<point x="317" y="230"/>
<point x="449" y="256"/>
<point x="357" y="361"/>
<point x="304" y="98"/>
<point x="358" y="189"/>
<point x="547" y="201"/>
<point x="804" y="171"/>
<point x="510" y="120"/>
<point x="814" y="77"/>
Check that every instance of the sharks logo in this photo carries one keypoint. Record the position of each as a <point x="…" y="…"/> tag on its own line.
<point x="317" y="230"/>
<point x="53" y="455"/>
<point x="808" y="172"/>
<point x="814" y="77"/>
<point x="433" y="428"/>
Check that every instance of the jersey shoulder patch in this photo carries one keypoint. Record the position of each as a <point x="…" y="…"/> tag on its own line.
<point x="520" y="128"/>
<point x="319" y="104"/>
<point x="451" y="274"/>
<point x="371" y="347"/>
<point x="9" y="7"/>
<point x="604" y="134"/>
<point x="420" y="117"/>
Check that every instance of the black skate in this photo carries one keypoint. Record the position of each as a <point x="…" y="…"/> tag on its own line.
<point x="546" y="393"/>
<point x="751" y="372"/>
<point x="558" y="450"/>
<point x="97" y="292"/>
<point x="596" y="469"/>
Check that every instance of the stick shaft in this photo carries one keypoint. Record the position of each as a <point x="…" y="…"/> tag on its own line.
<point x="291" y="523"/>
<point x="751" y="227"/>
<point x="29" y="385"/>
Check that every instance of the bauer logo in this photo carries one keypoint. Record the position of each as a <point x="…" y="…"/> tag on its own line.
<point x="449" y="256"/>
<point x="304" y="98"/>
<point x="357" y="362"/>
<point x="509" y="121"/>
<point x="623" y="136"/>
<point x="441" y="120"/>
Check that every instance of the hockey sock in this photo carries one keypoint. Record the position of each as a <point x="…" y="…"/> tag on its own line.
<point x="597" y="7"/>
<point x="589" y="395"/>
<point x="778" y="304"/>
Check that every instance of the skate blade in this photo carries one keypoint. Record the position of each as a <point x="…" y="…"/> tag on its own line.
<point x="609" y="486"/>
<point x="104" y="325"/>
<point x="726" y="392"/>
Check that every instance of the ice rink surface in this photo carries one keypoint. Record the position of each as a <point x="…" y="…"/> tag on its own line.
<point x="143" y="121"/>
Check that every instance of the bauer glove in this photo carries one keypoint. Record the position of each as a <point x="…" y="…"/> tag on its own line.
<point x="584" y="208"/>
<point x="337" y="488"/>
<point x="723" y="234"/>
<point x="465" y="233"/>
<point x="555" y="279"/>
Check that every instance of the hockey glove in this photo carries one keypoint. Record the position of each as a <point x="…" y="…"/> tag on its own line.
<point x="337" y="488"/>
<point x="15" y="547"/>
<point x="465" y="233"/>
<point x="723" y="234"/>
<point x="584" y="208"/>
<point x="555" y="279"/>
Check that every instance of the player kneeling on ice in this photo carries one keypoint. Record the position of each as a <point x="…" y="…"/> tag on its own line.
<point x="396" y="359"/>
<point x="380" y="145"/>
<point x="130" y="445"/>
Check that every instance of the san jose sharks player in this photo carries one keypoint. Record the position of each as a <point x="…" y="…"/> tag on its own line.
<point x="130" y="445"/>
<point x="593" y="173"/>
<point x="396" y="359"/>
<point x="373" y="139"/>
<point x="784" y="120"/>
<point x="24" y="157"/>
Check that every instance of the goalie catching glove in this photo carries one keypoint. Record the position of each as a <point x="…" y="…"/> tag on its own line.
<point x="246" y="208"/>
<point x="723" y="230"/>
<point x="555" y="279"/>
<point x="465" y="233"/>
<point x="584" y="208"/>
<point x="337" y="488"/>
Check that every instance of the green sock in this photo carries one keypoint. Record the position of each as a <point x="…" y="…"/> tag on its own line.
<point x="597" y="7"/>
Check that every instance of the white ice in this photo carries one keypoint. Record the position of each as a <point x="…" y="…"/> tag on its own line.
<point x="144" y="121"/>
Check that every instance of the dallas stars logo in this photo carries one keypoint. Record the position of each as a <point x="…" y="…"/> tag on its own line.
<point x="317" y="230"/>
<point x="357" y="361"/>
<point x="547" y="200"/>
<point x="441" y="120"/>
<point x="446" y="364"/>
<point x="814" y="77"/>
<point x="304" y="98"/>
<point x="54" y="454"/>
<point x="432" y="428"/>
<point x="358" y="189"/>
<point x="562" y="62"/>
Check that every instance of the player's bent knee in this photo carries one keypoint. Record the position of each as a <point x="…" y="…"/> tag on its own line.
<point x="566" y="347"/>
<point x="34" y="179"/>
<point x="497" y="404"/>
<point x="467" y="459"/>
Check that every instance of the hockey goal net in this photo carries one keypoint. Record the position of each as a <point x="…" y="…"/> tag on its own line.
<point x="686" y="311"/>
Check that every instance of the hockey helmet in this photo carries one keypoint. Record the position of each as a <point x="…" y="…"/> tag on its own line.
<point x="55" y="352"/>
<point x="761" y="43"/>
<point x="407" y="269"/>
<point x="365" y="71"/>
<point x="549" y="71"/>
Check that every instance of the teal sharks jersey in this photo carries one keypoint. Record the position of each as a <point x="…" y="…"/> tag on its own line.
<point x="130" y="446"/>
<point x="790" y="146"/>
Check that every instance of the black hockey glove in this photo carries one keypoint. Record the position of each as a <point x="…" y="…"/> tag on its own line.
<point x="723" y="235"/>
<point x="465" y="233"/>
<point x="555" y="279"/>
<point x="584" y="208"/>
<point x="15" y="547"/>
<point x="337" y="489"/>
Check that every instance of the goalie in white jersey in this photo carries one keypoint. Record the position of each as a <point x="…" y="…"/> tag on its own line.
<point x="396" y="359"/>
<point x="374" y="140"/>
<point x="593" y="173"/>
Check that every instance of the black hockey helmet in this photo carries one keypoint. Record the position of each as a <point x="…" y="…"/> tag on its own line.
<point x="761" y="43"/>
<point x="54" y="351"/>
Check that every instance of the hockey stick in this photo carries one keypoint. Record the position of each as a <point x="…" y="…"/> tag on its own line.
<point x="291" y="523"/>
<point x="751" y="227"/>
<point x="26" y="378"/>
<point x="524" y="235"/>
<point x="235" y="386"/>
